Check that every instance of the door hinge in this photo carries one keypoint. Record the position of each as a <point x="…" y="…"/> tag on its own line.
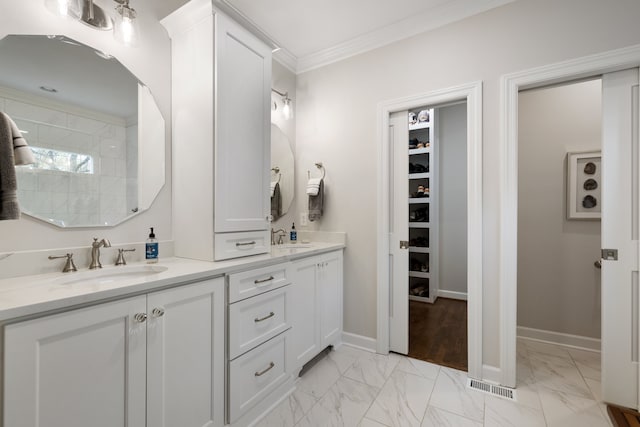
<point x="609" y="254"/>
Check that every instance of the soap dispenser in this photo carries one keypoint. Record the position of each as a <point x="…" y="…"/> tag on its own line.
<point x="293" y="234"/>
<point x="151" y="248"/>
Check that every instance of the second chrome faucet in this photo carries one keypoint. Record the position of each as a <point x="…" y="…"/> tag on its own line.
<point x="95" y="252"/>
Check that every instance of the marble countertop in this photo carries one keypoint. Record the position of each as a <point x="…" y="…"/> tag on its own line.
<point x="39" y="294"/>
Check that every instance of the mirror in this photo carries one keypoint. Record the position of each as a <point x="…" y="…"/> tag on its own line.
<point x="96" y="133"/>
<point x="282" y="168"/>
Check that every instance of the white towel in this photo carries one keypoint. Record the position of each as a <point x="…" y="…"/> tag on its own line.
<point x="273" y="187"/>
<point x="313" y="186"/>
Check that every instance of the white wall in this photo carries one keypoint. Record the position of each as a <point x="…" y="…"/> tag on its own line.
<point x="558" y="285"/>
<point x="452" y="198"/>
<point x="336" y="120"/>
<point x="150" y="62"/>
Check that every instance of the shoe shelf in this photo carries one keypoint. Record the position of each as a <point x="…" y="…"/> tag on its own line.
<point x="420" y="125"/>
<point x="418" y="250"/>
<point x="423" y="179"/>
<point x="423" y="175"/>
<point x="419" y="225"/>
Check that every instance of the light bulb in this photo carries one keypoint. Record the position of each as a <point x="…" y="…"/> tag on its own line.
<point x="126" y="30"/>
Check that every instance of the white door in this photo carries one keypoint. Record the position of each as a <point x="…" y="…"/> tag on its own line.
<point x="305" y="318"/>
<point x="330" y="298"/>
<point x="80" y="368"/>
<point x="398" y="232"/>
<point x="185" y="356"/>
<point x="620" y="232"/>
<point x="243" y="129"/>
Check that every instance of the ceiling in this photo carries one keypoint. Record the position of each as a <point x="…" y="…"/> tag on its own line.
<point x="312" y="33"/>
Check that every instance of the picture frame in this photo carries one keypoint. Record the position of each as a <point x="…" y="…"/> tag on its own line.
<point x="584" y="185"/>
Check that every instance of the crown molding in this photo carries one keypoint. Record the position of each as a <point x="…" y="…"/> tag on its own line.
<point x="287" y="59"/>
<point x="430" y="19"/>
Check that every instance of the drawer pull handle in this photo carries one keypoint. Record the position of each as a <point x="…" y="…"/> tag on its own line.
<point x="264" y="318"/>
<point x="259" y="374"/>
<point x="268" y="279"/>
<point x="253" y="242"/>
<point x="157" y="312"/>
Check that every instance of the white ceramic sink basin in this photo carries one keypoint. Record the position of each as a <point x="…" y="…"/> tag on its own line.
<point x="112" y="274"/>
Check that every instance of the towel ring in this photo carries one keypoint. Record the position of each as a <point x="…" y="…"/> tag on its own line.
<point x="319" y="166"/>
<point x="276" y="170"/>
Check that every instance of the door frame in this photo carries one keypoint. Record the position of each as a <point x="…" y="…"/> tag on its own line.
<point x="510" y="85"/>
<point x="472" y="94"/>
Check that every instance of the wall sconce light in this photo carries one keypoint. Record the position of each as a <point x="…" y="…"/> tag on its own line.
<point x="125" y="29"/>
<point x="287" y="109"/>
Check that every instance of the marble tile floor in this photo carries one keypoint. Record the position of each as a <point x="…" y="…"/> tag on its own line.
<point x="557" y="386"/>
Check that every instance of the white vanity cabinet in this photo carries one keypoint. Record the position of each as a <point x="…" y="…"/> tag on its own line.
<point x="221" y="91"/>
<point x="152" y="360"/>
<point x="316" y="306"/>
<point x="259" y="315"/>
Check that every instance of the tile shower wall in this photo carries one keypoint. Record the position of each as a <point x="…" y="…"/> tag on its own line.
<point x="106" y="196"/>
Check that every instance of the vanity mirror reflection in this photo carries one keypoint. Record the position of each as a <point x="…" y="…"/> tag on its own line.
<point x="96" y="132"/>
<point x="282" y="167"/>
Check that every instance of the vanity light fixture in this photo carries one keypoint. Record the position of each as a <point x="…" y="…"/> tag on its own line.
<point x="125" y="29"/>
<point x="287" y="110"/>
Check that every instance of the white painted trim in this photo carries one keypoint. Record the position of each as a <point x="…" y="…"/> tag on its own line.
<point x="287" y="59"/>
<point x="559" y="338"/>
<point x="472" y="93"/>
<point x="491" y="374"/>
<point x="359" y="341"/>
<point x="452" y="295"/>
<point x="432" y="18"/>
<point x="510" y="84"/>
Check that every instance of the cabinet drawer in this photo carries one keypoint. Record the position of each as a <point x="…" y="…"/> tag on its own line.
<point x="254" y="320"/>
<point x="255" y="374"/>
<point x="236" y="245"/>
<point x="253" y="282"/>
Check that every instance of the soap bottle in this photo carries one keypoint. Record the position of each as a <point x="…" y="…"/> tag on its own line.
<point x="293" y="234"/>
<point x="151" y="248"/>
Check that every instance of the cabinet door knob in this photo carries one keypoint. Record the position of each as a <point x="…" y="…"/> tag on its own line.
<point x="140" y="317"/>
<point x="259" y="374"/>
<point x="157" y="312"/>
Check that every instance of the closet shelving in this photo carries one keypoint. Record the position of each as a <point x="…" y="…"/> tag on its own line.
<point x="422" y="201"/>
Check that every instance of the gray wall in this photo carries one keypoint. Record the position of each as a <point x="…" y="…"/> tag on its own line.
<point x="452" y="127"/>
<point x="558" y="285"/>
<point x="337" y="121"/>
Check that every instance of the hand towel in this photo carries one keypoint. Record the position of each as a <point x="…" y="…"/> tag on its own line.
<point x="13" y="151"/>
<point x="313" y="186"/>
<point x="316" y="202"/>
<point x="276" y="201"/>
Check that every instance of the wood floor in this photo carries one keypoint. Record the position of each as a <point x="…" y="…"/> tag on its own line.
<point x="438" y="332"/>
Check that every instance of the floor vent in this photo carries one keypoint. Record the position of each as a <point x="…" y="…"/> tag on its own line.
<point x="492" y="389"/>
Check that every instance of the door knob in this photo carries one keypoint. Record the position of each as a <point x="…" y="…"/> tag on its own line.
<point x="140" y="317"/>
<point x="157" y="312"/>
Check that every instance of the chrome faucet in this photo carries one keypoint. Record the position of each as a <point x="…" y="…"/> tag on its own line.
<point x="95" y="252"/>
<point x="280" y="233"/>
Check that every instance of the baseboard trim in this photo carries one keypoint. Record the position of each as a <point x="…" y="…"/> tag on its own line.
<point x="452" y="294"/>
<point x="359" y="341"/>
<point x="559" y="338"/>
<point x="491" y="374"/>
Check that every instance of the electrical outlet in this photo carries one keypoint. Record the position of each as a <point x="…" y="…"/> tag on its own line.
<point x="304" y="219"/>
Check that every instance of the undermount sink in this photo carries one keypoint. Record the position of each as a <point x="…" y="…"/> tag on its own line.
<point x="293" y="245"/>
<point x="111" y="274"/>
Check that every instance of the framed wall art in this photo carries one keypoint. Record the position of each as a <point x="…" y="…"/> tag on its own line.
<point x="584" y="185"/>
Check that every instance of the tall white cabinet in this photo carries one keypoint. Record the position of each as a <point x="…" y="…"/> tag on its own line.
<point x="221" y="86"/>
